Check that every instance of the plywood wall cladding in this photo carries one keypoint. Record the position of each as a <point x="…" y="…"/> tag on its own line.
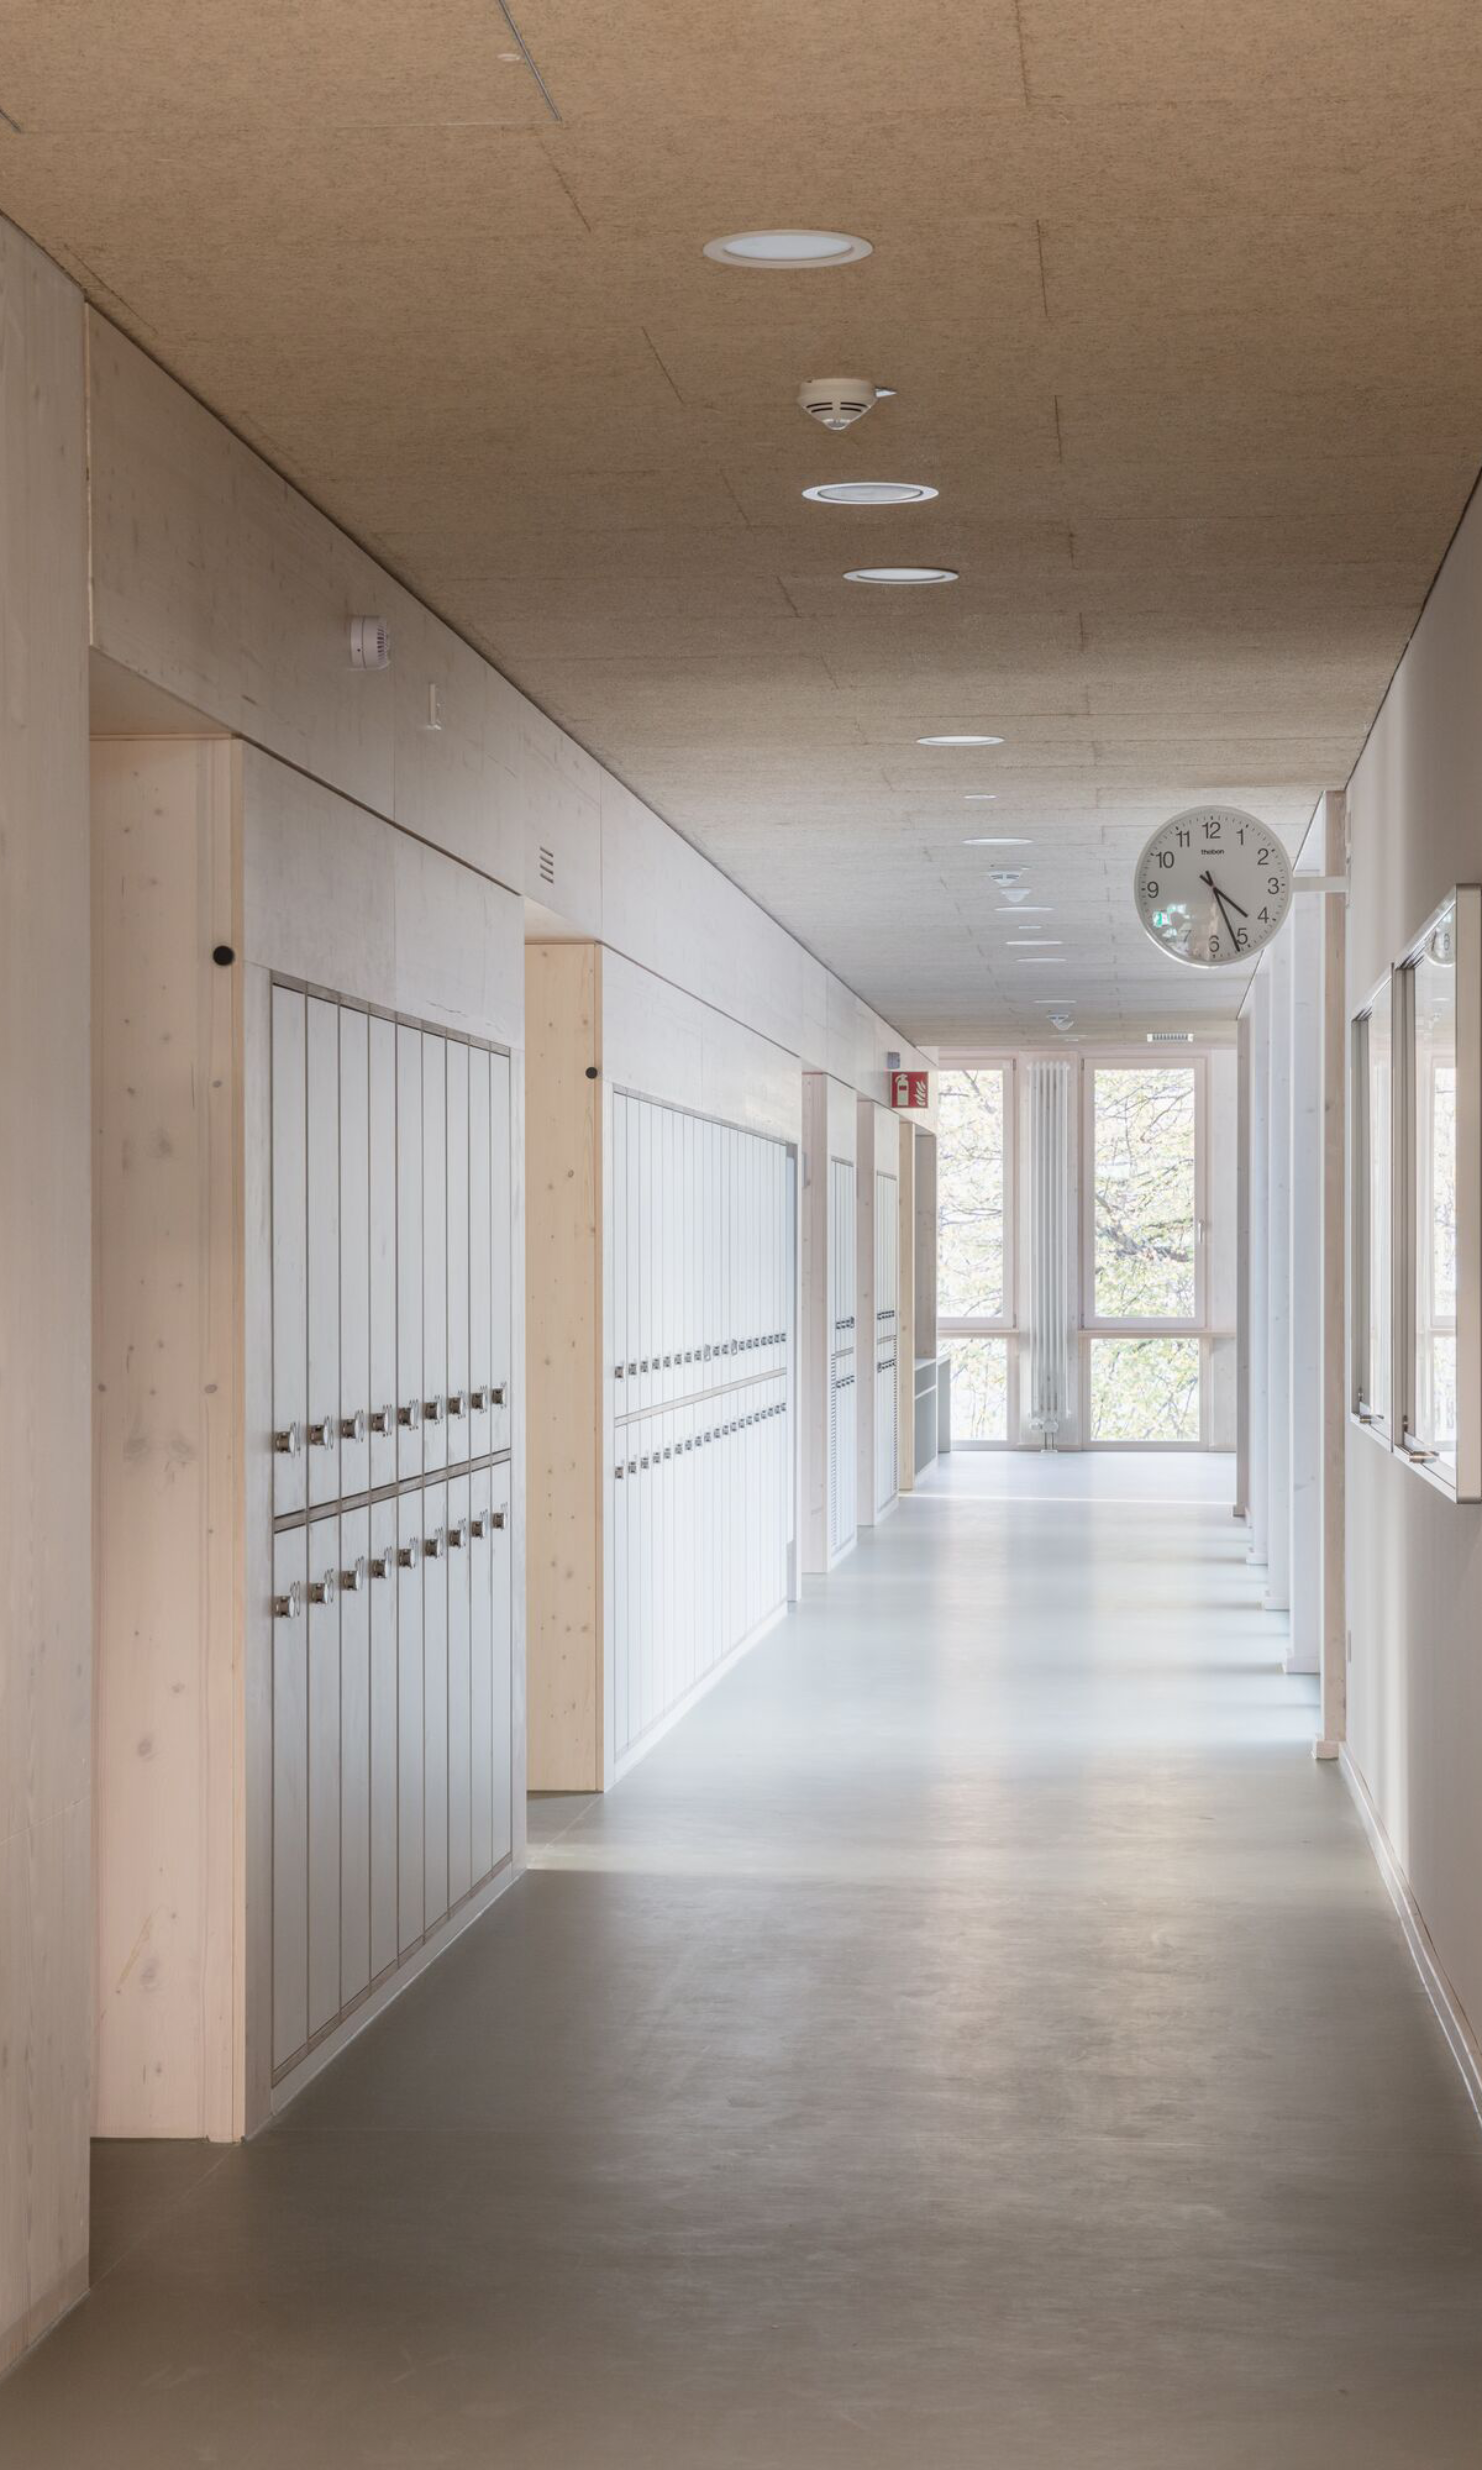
<point x="1198" y="388"/>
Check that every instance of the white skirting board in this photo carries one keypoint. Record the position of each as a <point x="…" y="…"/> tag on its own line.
<point x="682" y="1706"/>
<point x="437" y="1941"/>
<point x="1461" y="2040"/>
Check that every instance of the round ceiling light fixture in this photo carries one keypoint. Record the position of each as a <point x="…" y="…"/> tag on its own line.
<point x="993" y="841"/>
<point x="959" y="741"/>
<point x="901" y="575"/>
<point x="788" y="249"/>
<point x="870" y="493"/>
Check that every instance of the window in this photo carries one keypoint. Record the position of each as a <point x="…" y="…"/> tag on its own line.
<point x="975" y="1152"/>
<point x="1142" y="1183"/>
<point x="1373" y="1092"/>
<point x="1433" y="1241"/>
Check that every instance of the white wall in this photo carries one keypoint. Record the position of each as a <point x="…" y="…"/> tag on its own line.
<point x="45" y="1279"/>
<point x="1415" y="1558"/>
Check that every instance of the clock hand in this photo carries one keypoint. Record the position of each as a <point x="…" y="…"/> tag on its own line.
<point x="1220" y="897"/>
<point x="1231" y="928"/>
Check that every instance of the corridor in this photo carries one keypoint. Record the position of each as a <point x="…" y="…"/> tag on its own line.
<point x="978" y="2036"/>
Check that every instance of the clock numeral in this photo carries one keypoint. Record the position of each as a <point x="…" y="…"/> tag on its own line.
<point x="1150" y="891"/>
<point x="1214" y="945"/>
<point x="1211" y="827"/>
<point x="1273" y="883"/>
<point x="1165" y="857"/>
<point x="1265" y="916"/>
<point x="1242" y="939"/>
<point x="1263" y="857"/>
<point x="1184" y="837"/>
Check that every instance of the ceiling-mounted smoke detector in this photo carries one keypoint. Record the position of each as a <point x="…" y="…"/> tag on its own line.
<point x="370" y="643"/>
<point x="836" y="402"/>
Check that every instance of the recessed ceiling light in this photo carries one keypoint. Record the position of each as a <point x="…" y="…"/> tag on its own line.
<point x="980" y="797"/>
<point x="870" y="493"/>
<point x="958" y="740"/>
<point x="993" y="841"/>
<point x="788" y="249"/>
<point x="901" y="574"/>
<point x="1030" y="906"/>
<point x="1016" y="943"/>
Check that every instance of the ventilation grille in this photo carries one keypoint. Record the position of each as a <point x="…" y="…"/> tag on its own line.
<point x="547" y="866"/>
<point x="1170" y="1037"/>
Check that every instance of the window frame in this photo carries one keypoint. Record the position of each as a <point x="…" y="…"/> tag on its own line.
<point x="1004" y="1325"/>
<point x="1094" y="1326"/>
<point x="1462" y="1481"/>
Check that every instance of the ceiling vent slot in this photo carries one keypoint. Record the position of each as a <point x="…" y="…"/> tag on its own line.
<point x="1170" y="1037"/>
<point x="547" y="866"/>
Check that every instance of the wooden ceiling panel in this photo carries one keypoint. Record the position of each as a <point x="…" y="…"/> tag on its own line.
<point x="1181" y="307"/>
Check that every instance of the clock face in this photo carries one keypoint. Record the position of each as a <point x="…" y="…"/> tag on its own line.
<point x="1213" y="885"/>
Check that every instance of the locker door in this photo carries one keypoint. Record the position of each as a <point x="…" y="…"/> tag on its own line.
<point x="355" y="1753"/>
<point x="409" y="1257"/>
<point x="324" y="1772"/>
<point x="501" y="1660"/>
<point x="411" y="1518"/>
<point x="501" y="1210"/>
<point x="460" y="1691"/>
<point x="885" y="1327"/>
<point x="480" y="1259"/>
<point x="458" y="1255"/>
<point x="290" y="1255"/>
<point x="290" y="1793"/>
<point x="434" y="1704"/>
<point x="383" y="1730"/>
<point x="322" y="1077"/>
<point x="355" y="1396"/>
<point x="434" y="1252"/>
<point x="381" y="1379"/>
<point x="480" y="1676"/>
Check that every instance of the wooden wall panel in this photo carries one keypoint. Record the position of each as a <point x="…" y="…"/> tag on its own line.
<point x="45" y="1565"/>
<point x="563" y="1170"/>
<point x="165" y="1430"/>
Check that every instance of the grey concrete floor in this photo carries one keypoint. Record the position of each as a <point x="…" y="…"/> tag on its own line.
<point x="977" y="2038"/>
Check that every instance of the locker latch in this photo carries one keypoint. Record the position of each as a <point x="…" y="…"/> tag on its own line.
<point x="354" y="1427"/>
<point x="457" y="1401"/>
<point x="322" y="1590"/>
<point x="288" y="1607"/>
<point x="352" y="1580"/>
<point x="410" y="1414"/>
<point x="288" y="1443"/>
<point x="478" y="1526"/>
<point x="458" y="1534"/>
<point x="408" y="1554"/>
<point x="324" y="1435"/>
<point x="432" y="1409"/>
<point x="383" y="1420"/>
<point x="432" y="1545"/>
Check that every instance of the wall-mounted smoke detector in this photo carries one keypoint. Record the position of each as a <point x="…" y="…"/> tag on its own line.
<point x="370" y="643"/>
<point x="837" y="402"/>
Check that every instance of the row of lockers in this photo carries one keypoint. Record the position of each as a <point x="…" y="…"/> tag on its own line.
<point x="843" y="1289"/>
<point x="887" y="1297"/>
<point x="701" y="1522"/>
<point x="702" y="1263"/>
<point x="392" y="1743"/>
<point x="391" y="1255"/>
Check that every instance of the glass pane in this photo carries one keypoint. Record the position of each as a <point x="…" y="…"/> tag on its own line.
<point x="1378" y="1080"/>
<point x="1433" y="978"/>
<point x="1145" y="1389"/>
<point x="980" y="1388"/>
<point x="970" y="1195"/>
<point x="1145" y="1193"/>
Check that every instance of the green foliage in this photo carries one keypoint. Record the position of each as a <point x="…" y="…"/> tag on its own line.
<point x="1145" y="1389"/>
<point x="1144" y="1193"/>
<point x="980" y="1388"/>
<point x="970" y="1196"/>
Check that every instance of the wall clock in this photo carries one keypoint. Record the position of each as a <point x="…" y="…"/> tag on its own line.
<point x="1212" y="886"/>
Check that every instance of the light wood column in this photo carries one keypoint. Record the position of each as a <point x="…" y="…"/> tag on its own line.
<point x="1334" y="1613"/>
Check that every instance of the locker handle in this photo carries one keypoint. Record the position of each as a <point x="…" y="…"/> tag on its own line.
<point x="458" y="1534"/>
<point x="478" y="1526"/>
<point x="354" y="1427"/>
<point x="408" y="1555"/>
<point x="497" y="1393"/>
<point x="410" y="1414"/>
<point x="497" y="1518"/>
<point x="383" y="1421"/>
<point x="432" y="1545"/>
<point x="432" y="1410"/>
<point x="352" y="1580"/>
<point x="288" y="1444"/>
<point x="478" y="1399"/>
<point x="457" y="1401"/>
<point x="322" y="1590"/>
<point x="380" y="1565"/>
<point x="325" y="1434"/>
<point x="288" y="1607"/>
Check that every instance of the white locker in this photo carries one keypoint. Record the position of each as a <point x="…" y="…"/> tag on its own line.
<point x="290" y="1793"/>
<point x="322" y="1083"/>
<point x="458" y="1254"/>
<point x="290" y="1266"/>
<point x="409" y="1384"/>
<point x="460" y="1691"/>
<point x="480" y="1258"/>
<point x="355" y="1391"/>
<point x="842" y="1239"/>
<point x="383" y="1736"/>
<point x="434" y="1705"/>
<point x="434" y="1252"/>
<point x="355" y="1753"/>
<point x="502" y="1658"/>
<point x="381" y="1377"/>
<point x="887" y="1230"/>
<point x="501" y="1256"/>
<point x="410" y="1522"/>
<point x="324" y="1772"/>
